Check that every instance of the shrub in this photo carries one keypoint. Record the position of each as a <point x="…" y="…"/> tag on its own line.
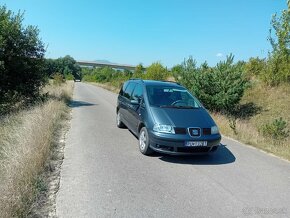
<point x="65" y="66"/>
<point x="139" y="71"/>
<point x="156" y="72"/>
<point x="69" y="76"/>
<point x="254" y="67"/>
<point x="220" y="88"/>
<point x="276" y="129"/>
<point x="58" y="79"/>
<point x="21" y="59"/>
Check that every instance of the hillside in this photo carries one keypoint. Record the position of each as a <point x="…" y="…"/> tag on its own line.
<point x="264" y="105"/>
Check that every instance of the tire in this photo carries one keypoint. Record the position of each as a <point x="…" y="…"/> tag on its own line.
<point x="144" y="142"/>
<point x="119" y="123"/>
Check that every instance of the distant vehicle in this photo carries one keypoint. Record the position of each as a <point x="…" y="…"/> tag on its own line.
<point x="77" y="80"/>
<point x="166" y="118"/>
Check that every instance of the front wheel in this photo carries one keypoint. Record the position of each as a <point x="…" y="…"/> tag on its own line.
<point x="144" y="142"/>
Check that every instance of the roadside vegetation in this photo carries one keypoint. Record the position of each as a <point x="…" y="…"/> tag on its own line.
<point x="34" y="93"/>
<point x="248" y="99"/>
<point x="26" y="140"/>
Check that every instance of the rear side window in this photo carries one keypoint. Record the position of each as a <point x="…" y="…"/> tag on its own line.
<point x="129" y="89"/>
<point x="138" y="92"/>
<point x="123" y="88"/>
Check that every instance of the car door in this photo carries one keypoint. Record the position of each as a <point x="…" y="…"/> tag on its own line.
<point x="126" y="103"/>
<point x="135" y="110"/>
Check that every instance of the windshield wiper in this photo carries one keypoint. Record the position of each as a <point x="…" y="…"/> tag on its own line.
<point x="178" y="107"/>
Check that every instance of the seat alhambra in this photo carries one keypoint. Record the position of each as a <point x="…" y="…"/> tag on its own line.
<point x="166" y="118"/>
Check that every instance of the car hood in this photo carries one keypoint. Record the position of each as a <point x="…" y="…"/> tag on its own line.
<point x="182" y="117"/>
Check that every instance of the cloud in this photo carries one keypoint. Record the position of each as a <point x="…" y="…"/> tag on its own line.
<point x="219" y="55"/>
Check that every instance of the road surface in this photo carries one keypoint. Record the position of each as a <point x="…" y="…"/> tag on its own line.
<point x="104" y="174"/>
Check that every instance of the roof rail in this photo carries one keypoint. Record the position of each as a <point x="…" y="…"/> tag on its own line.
<point x="170" y="82"/>
<point x="136" y="79"/>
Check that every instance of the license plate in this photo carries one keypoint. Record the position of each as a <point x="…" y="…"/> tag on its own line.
<point x="195" y="143"/>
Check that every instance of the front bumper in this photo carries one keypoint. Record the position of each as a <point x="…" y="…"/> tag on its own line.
<point x="174" y="144"/>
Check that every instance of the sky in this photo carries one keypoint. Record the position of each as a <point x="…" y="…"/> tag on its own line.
<point x="146" y="31"/>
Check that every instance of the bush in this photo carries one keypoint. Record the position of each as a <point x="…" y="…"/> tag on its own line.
<point x="21" y="59"/>
<point x="58" y="79"/>
<point x="139" y="71"/>
<point x="254" y="67"/>
<point x="276" y="129"/>
<point x="66" y="66"/>
<point x="156" y="72"/>
<point x="220" y="88"/>
<point x="69" y="76"/>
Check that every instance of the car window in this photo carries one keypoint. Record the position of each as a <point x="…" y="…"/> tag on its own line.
<point x="123" y="88"/>
<point x="129" y="89"/>
<point x="137" y="93"/>
<point x="165" y="96"/>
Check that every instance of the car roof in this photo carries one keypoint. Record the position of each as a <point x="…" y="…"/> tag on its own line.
<point x="157" y="83"/>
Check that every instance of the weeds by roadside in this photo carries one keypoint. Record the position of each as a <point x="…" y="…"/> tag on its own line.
<point x="25" y="143"/>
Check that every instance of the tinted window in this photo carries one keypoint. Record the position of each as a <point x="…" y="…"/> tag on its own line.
<point x="138" y="93"/>
<point x="165" y="96"/>
<point x="129" y="89"/>
<point x="123" y="88"/>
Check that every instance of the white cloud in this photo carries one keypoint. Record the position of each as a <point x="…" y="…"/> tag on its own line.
<point x="219" y="55"/>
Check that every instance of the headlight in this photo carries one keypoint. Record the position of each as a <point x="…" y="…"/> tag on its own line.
<point x="214" y="130"/>
<point x="163" y="128"/>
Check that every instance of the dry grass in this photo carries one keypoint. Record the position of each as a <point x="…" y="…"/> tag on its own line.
<point x="107" y="86"/>
<point x="274" y="103"/>
<point x="25" y="143"/>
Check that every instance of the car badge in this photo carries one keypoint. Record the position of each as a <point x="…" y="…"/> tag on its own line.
<point x="195" y="132"/>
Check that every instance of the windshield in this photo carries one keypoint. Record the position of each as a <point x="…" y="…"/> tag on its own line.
<point x="172" y="97"/>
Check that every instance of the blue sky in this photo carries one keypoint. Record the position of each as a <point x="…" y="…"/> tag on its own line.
<point x="145" y="31"/>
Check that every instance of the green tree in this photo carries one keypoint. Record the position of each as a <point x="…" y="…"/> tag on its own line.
<point x="219" y="88"/>
<point x="223" y="88"/>
<point x="66" y="66"/>
<point x="156" y="71"/>
<point x="139" y="71"/>
<point x="277" y="68"/>
<point x="186" y="73"/>
<point x="254" y="67"/>
<point x="21" y="58"/>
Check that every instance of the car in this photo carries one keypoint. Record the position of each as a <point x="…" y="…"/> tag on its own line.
<point x="166" y="118"/>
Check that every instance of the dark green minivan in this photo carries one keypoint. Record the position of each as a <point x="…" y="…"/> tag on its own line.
<point x="166" y="118"/>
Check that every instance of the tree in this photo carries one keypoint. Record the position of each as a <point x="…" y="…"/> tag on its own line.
<point x="219" y="88"/>
<point x="66" y="66"/>
<point x="139" y="71"/>
<point x="156" y="72"/>
<point x="21" y="58"/>
<point x="278" y="65"/>
<point x="255" y="66"/>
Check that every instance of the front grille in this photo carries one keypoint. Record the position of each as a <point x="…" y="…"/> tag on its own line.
<point x="194" y="132"/>
<point x="206" y="131"/>
<point x="181" y="131"/>
<point x="193" y="149"/>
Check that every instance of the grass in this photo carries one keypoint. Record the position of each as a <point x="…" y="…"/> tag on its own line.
<point x="273" y="103"/>
<point x="25" y="143"/>
<point x="261" y="105"/>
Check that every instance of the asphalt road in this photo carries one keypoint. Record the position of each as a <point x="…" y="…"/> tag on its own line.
<point x="105" y="175"/>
